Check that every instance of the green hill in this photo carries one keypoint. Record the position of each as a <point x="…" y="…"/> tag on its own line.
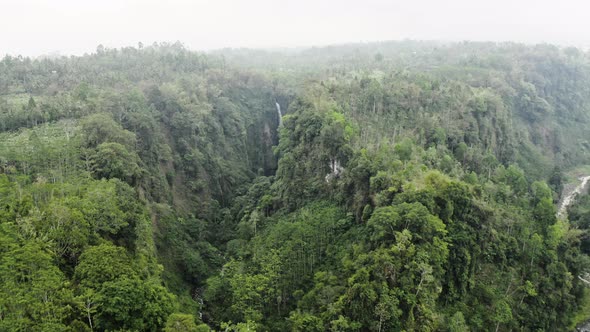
<point x="411" y="186"/>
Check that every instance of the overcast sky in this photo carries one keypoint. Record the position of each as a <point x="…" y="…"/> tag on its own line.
<point x="35" y="27"/>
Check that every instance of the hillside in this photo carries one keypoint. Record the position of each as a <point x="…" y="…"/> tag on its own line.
<point x="402" y="186"/>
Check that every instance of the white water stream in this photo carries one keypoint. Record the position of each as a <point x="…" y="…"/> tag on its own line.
<point x="280" y="114"/>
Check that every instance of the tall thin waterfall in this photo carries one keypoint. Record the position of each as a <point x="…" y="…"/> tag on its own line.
<point x="280" y="114"/>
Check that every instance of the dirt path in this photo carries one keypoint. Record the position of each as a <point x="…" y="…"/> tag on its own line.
<point x="569" y="198"/>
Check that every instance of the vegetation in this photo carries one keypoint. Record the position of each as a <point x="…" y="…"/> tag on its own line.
<point x="411" y="186"/>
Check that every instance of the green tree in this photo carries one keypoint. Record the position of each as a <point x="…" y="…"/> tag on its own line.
<point x="35" y="294"/>
<point x="112" y="160"/>
<point x="103" y="263"/>
<point x="180" y="323"/>
<point x="457" y="323"/>
<point x="133" y="304"/>
<point x="101" y="128"/>
<point x="404" y="149"/>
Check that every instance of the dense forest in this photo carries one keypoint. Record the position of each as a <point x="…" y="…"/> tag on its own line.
<point x="396" y="186"/>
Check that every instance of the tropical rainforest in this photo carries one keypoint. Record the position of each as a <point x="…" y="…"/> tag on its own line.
<point x="395" y="186"/>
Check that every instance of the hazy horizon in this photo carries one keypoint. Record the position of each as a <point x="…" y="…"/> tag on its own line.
<point x="69" y="27"/>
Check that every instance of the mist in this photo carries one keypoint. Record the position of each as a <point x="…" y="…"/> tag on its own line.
<point x="37" y="27"/>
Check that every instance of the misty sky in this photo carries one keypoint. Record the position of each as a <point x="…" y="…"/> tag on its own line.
<point x="35" y="27"/>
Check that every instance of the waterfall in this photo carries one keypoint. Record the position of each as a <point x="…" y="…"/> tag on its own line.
<point x="280" y="114"/>
<point x="335" y="169"/>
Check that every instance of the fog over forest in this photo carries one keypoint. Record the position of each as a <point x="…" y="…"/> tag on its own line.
<point x="265" y="165"/>
<point x="39" y="27"/>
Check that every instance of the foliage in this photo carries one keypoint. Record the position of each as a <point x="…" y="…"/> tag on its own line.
<point x="411" y="187"/>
